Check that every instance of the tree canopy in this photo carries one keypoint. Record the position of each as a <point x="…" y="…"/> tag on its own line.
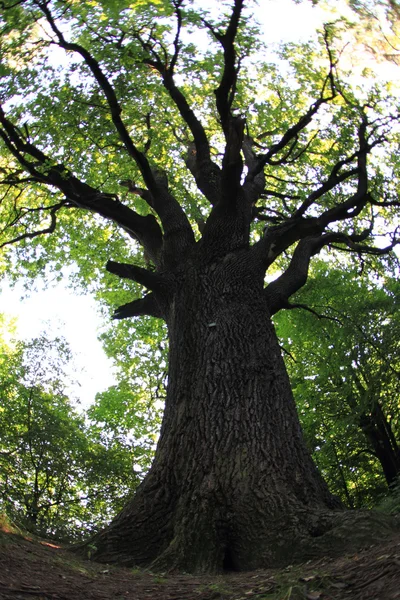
<point x="161" y="145"/>
<point x="103" y="104"/>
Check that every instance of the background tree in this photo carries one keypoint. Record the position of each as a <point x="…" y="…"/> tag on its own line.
<point x="119" y="133"/>
<point x="59" y="476"/>
<point x="343" y="360"/>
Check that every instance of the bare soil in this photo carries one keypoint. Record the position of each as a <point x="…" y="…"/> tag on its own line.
<point x="38" y="570"/>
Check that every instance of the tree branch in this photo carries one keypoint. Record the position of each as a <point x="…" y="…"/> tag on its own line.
<point x="32" y="234"/>
<point x="143" y="306"/>
<point x="232" y="163"/>
<point x="353" y="206"/>
<point x="291" y="135"/>
<point x="177" y="229"/>
<point x="333" y="180"/>
<point x="291" y="306"/>
<point x="278" y="238"/>
<point x="106" y="87"/>
<point x="288" y="138"/>
<point x="206" y="173"/>
<point x="178" y="13"/>
<point x="232" y="126"/>
<point x="279" y="291"/>
<point x="255" y="187"/>
<point x="145" y="229"/>
<point x="225" y="93"/>
<point x="148" y="279"/>
<point x="198" y="160"/>
<point x="353" y="245"/>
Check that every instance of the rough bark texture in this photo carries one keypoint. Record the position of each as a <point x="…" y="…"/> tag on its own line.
<point x="232" y="485"/>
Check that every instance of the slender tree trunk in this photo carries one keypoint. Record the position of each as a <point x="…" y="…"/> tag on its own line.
<point x="232" y="484"/>
<point x="379" y="435"/>
<point x="341" y="476"/>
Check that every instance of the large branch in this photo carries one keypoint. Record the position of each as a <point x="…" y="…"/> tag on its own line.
<point x="232" y="126"/>
<point x="211" y="182"/>
<point x="143" y="306"/>
<point x="278" y="292"/>
<point x="277" y="239"/>
<point x="199" y="162"/>
<point x="152" y="281"/>
<point x="253" y="188"/>
<point x="108" y="90"/>
<point x="177" y="229"/>
<point x="232" y="162"/>
<point x="206" y="173"/>
<point x="143" y="228"/>
<point x="225" y="93"/>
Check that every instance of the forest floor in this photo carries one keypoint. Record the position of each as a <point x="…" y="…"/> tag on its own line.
<point x="37" y="570"/>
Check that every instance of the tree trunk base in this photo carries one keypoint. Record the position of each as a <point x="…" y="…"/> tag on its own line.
<point x="312" y="536"/>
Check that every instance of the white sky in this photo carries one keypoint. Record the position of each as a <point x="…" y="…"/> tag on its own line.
<point x="58" y="311"/>
<point x="285" y="21"/>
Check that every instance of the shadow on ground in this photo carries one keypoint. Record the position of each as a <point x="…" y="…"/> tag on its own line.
<point x="33" y="569"/>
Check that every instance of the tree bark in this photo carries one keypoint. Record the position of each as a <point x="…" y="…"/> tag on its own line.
<point x="380" y="438"/>
<point x="232" y="485"/>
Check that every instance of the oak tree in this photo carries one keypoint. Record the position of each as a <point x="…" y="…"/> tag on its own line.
<point x="130" y="126"/>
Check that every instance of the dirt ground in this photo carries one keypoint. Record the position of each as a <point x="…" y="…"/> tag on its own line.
<point x="36" y="570"/>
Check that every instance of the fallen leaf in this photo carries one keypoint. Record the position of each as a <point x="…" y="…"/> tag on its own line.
<point x="313" y="595"/>
<point x="339" y="585"/>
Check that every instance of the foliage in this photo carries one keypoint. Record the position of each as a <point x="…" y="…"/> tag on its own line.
<point x="391" y="503"/>
<point x="50" y="89"/>
<point x="61" y="476"/>
<point x="127" y="417"/>
<point x="343" y="356"/>
<point x="130" y="412"/>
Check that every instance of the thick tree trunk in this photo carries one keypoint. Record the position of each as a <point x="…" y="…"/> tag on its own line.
<point x="232" y="484"/>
